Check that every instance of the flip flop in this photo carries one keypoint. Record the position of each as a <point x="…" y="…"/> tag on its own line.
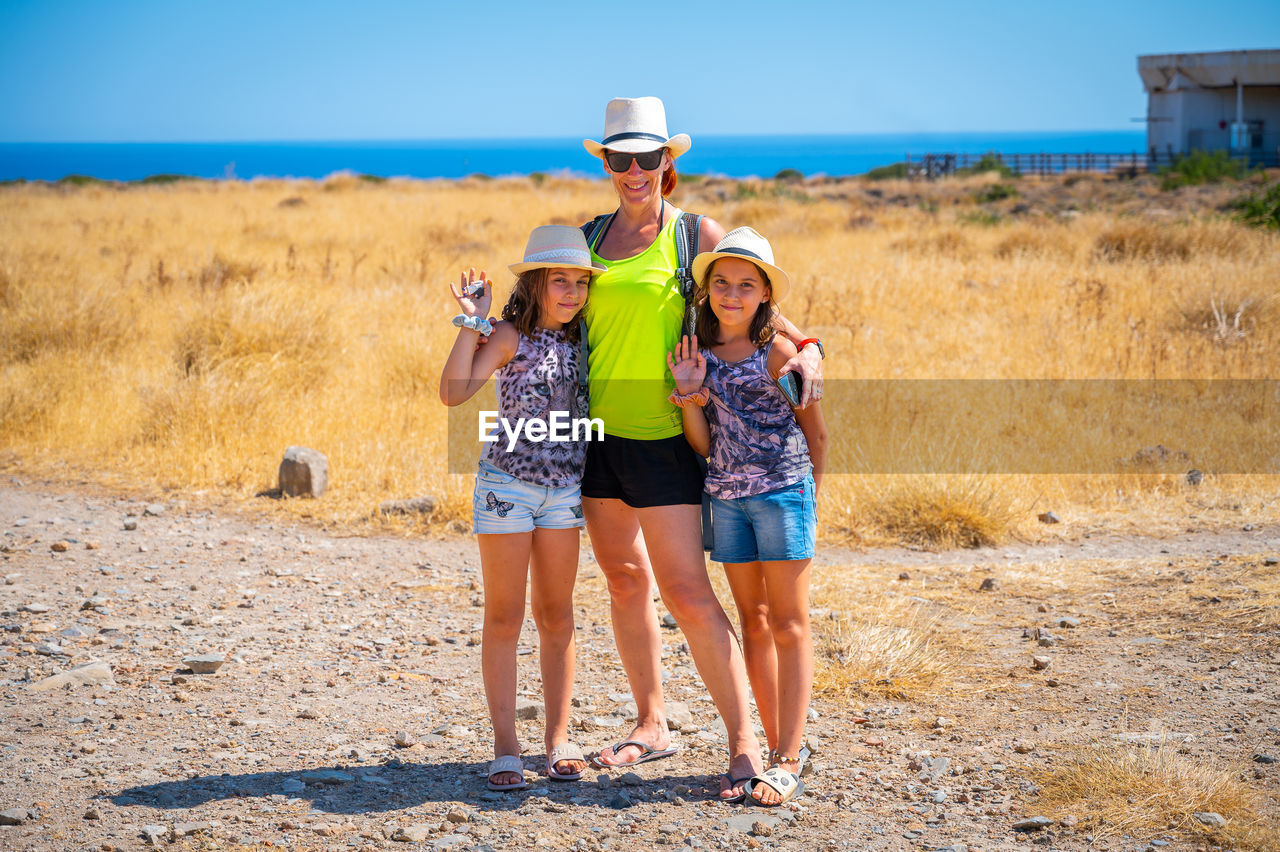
<point x="786" y="784"/>
<point x="646" y="754"/>
<point x="734" y="782"/>
<point x="507" y="763"/>
<point x="562" y="752"/>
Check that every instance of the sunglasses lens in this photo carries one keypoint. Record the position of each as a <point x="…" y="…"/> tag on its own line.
<point x="621" y="162"/>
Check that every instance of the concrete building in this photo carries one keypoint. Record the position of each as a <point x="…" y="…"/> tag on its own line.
<point x="1228" y="100"/>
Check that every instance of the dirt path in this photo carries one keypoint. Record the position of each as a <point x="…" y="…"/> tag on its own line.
<point x="335" y="645"/>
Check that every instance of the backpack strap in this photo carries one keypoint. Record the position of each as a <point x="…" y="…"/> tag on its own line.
<point x="593" y="231"/>
<point x="688" y="230"/>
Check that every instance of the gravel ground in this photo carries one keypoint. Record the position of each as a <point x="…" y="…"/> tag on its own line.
<point x="348" y="713"/>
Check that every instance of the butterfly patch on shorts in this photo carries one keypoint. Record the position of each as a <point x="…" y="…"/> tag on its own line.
<point x="577" y="510"/>
<point x="493" y="504"/>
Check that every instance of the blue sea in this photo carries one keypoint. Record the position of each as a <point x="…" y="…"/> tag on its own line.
<point x="732" y="156"/>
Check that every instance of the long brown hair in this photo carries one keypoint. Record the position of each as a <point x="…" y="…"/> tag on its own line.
<point x="707" y="327"/>
<point x="524" y="307"/>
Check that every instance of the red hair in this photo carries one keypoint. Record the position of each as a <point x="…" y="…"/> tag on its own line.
<point x="669" y="179"/>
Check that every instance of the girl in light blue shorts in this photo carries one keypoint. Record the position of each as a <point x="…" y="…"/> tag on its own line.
<point x="766" y="462"/>
<point x="527" y="507"/>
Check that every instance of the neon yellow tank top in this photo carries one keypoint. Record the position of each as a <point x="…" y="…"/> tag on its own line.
<point x="633" y="320"/>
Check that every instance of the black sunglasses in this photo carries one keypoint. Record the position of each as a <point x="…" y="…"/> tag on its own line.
<point x="620" y="161"/>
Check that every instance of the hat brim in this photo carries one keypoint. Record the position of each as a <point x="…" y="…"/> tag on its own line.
<point x="677" y="145"/>
<point x="519" y="268"/>
<point x="779" y="281"/>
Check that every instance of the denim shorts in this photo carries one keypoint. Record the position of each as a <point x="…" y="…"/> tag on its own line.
<point x="771" y="527"/>
<point x="504" y="504"/>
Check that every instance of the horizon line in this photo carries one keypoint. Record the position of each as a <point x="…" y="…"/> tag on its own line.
<point x="463" y="139"/>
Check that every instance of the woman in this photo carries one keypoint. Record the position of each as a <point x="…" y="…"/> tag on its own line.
<point x="642" y="490"/>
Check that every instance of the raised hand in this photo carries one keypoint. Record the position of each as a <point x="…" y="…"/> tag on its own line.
<point x="476" y="294"/>
<point x="688" y="366"/>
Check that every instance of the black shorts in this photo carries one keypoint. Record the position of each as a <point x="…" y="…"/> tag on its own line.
<point x="662" y="472"/>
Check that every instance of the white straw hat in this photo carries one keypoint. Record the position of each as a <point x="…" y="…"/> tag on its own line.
<point x="636" y="125"/>
<point x="745" y="244"/>
<point x="555" y="246"/>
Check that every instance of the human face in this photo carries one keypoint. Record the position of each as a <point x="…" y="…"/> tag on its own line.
<point x="735" y="291"/>
<point x="637" y="185"/>
<point x="563" y="296"/>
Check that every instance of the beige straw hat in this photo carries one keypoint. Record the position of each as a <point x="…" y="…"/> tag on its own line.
<point x="746" y="244"/>
<point x="556" y="246"/>
<point x="636" y="125"/>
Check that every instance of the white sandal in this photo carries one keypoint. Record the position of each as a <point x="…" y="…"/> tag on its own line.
<point x="560" y="753"/>
<point x="508" y="763"/>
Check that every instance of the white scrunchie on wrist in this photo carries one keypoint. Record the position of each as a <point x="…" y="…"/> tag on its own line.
<point x="475" y="323"/>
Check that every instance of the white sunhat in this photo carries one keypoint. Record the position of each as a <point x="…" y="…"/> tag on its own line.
<point x="745" y="244"/>
<point x="556" y="246"/>
<point x="636" y="125"/>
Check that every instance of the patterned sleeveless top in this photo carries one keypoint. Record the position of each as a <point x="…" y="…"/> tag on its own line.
<point x="756" y="443"/>
<point x="541" y="378"/>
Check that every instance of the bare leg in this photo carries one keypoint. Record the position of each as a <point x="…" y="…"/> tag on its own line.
<point x="504" y="562"/>
<point x="787" y="584"/>
<point x="620" y="550"/>
<point x="746" y="581"/>
<point x="554" y="570"/>
<point x="673" y="535"/>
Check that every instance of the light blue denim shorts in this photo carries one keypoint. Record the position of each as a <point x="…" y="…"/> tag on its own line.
<point x="770" y="527"/>
<point x="504" y="504"/>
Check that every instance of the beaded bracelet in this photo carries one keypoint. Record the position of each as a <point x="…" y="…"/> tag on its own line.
<point x="698" y="397"/>
<point x="475" y="323"/>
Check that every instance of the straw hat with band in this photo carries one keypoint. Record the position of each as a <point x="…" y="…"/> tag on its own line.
<point x="634" y="126"/>
<point x="745" y="244"/>
<point x="557" y="246"/>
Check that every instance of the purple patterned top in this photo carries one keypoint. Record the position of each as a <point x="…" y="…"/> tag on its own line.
<point x="756" y="443"/>
<point x="541" y="378"/>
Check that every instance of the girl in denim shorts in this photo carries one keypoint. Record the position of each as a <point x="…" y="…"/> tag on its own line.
<point x="527" y="507"/>
<point x="765" y="466"/>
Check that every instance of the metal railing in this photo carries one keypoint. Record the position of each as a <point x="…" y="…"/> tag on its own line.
<point x="1134" y="163"/>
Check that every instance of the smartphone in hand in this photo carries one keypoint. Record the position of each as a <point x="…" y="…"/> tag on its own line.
<point x="790" y="384"/>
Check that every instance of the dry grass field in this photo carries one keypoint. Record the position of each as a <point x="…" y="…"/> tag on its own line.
<point x="177" y="338"/>
<point x="169" y="342"/>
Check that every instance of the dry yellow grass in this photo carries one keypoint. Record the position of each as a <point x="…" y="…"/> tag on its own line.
<point x="180" y="337"/>
<point x="1118" y="789"/>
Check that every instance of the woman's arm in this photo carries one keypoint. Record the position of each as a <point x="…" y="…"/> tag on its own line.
<point x="809" y="417"/>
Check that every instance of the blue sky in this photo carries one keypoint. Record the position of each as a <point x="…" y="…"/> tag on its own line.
<point x="75" y="70"/>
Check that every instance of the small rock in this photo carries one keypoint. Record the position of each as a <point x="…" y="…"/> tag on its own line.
<point x="13" y="816"/>
<point x="1023" y="747"/>
<point x="425" y="505"/>
<point x="1194" y="477"/>
<point x="92" y="813"/>
<point x="1264" y="758"/>
<point x="678" y="715"/>
<point x="941" y="722"/>
<point x="938" y="796"/>
<point x="1041" y="663"/>
<point x="529" y="710"/>
<point x="404" y="739"/>
<point x="85" y="674"/>
<point x="904" y="576"/>
<point x="292" y="785"/>
<point x="1271" y="560"/>
<point x="620" y="802"/>
<point x="308" y="713"/>
<point x="1051" y="682"/>
<point x="204" y="663"/>
<point x="154" y="510"/>
<point x="303" y="473"/>
<point x="187" y="829"/>
<point x="130" y="524"/>
<point x="327" y="776"/>
<point x="1210" y="818"/>
<point x="1069" y="623"/>
<point x="989" y="585"/>
<point x="760" y="828"/>
<point x="417" y="833"/>
<point x="59" y="547"/>
<point x="1048" y="518"/>
<point x="154" y="834"/>
<point x="630" y="779"/>
<point x="1032" y="823"/>
<point x="457" y="816"/>
<point x="669" y="621"/>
